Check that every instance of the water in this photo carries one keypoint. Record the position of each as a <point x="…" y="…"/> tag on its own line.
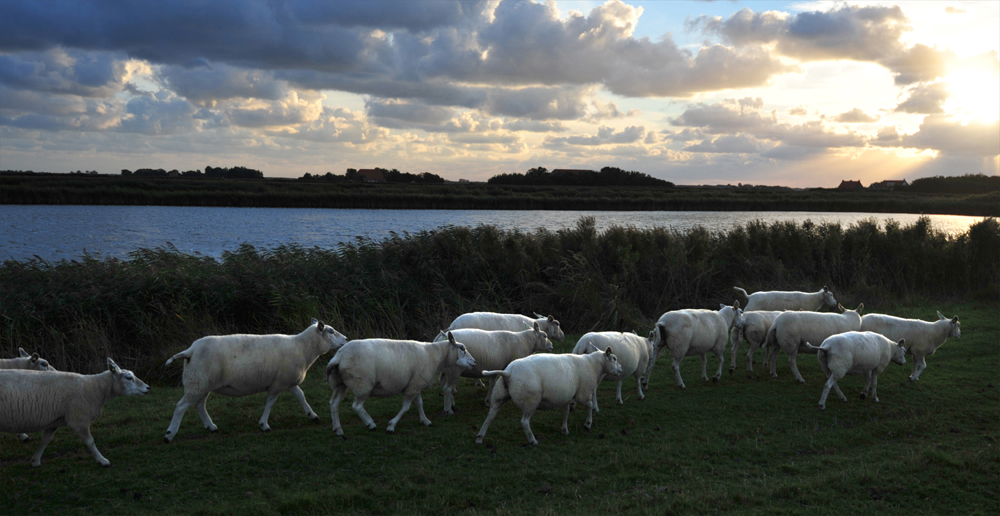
<point x="65" y="232"/>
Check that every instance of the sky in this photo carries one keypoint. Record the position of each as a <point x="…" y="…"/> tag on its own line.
<point x="800" y="94"/>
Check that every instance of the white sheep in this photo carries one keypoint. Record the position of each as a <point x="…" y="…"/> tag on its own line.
<point x="383" y="367"/>
<point x="547" y="382"/>
<point x="633" y="354"/>
<point x="492" y="350"/>
<point x="240" y="365"/>
<point x="27" y="362"/>
<point x="856" y="352"/>
<point x="32" y="402"/>
<point x="788" y="300"/>
<point x="510" y="322"/>
<point x="753" y="327"/>
<point x="792" y="330"/>
<point x="923" y="338"/>
<point x="30" y="362"/>
<point x="693" y="332"/>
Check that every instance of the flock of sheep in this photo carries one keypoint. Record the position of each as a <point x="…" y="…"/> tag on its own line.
<point x="501" y="347"/>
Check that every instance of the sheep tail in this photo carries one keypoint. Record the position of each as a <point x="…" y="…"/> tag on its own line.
<point x="332" y="368"/>
<point x="186" y="355"/>
<point x="741" y="291"/>
<point x="504" y="376"/>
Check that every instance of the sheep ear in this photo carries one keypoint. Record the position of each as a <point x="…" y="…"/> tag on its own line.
<point x="860" y="308"/>
<point x="314" y="320"/>
<point x="552" y="319"/>
<point x="534" y="326"/>
<point x="451" y="339"/>
<point x="941" y="316"/>
<point x="736" y="304"/>
<point x="113" y="367"/>
<point x="607" y="352"/>
<point x="24" y="354"/>
<point x="901" y="342"/>
<point x="320" y="325"/>
<point x="954" y="320"/>
<point x="825" y="289"/>
<point x="592" y="347"/>
<point x="722" y="305"/>
<point x="840" y="307"/>
<point x="538" y="315"/>
<point x="34" y="358"/>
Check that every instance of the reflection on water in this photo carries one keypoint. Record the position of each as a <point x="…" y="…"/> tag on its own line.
<point x="58" y="232"/>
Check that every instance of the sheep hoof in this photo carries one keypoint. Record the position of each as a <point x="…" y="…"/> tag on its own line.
<point x="863" y="395"/>
<point x="479" y="440"/>
<point x="106" y="464"/>
<point x="800" y="380"/>
<point x="822" y="407"/>
<point x="426" y="422"/>
<point x="314" y="417"/>
<point x="212" y="429"/>
<point x="167" y="439"/>
<point x="372" y="426"/>
<point x="715" y="379"/>
<point x="36" y="464"/>
<point x="774" y="375"/>
<point x="565" y="431"/>
<point x="389" y="431"/>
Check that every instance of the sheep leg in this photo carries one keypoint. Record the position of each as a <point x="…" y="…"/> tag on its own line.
<point x="36" y="459"/>
<point x="23" y="437"/>
<point x="407" y="401"/>
<point x="271" y="397"/>
<point x="448" y="392"/>
<point x="919" y="364"/>
<point x="677" y="372"/>
<point x="831" y="382"/>
<point x="735" y="338"/>
<point x="186" y="401"/>
<point x="88" y="440"/>
<point x="868" y="384"/>
<point x="420" y="411"/>
<point x="875" y="387"/>
<point x="649" y="368"/>
<point x="203" y="413"/>
<point x="565" y="424"/>
<point x="479" y="383"/>
<point x="494" y="410"/>
<point x="704" y="367"/>
<point x="721" y="355"/>
<point x="792" y="359"/>
<point x="338" y="394"/>
<point x="771" y="359"/>
<point x="526" y="424"/>
<point x="359" y="407"/>
<point x="618" y="396"/>
<point x="489" y="392"/>
<point x="638" y="386"/>
<point x="299" y="395"/>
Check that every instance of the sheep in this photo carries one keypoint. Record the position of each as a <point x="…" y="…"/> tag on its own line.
<point x="240" y="365"/>
<point x="753" y="326"/>
<point x="31" y="402"/>
<point x="784" y="300"/>
<point x="791" y="330"/>
<point x="492" y="350"/>
<point x="633" y="354"/>
<point x="693" y="332"/>
<point x="25" y="361"/>
<point x="28" y="362"/>
<point x="510" y="322"/>
<point x="856" y="352"/>
<point x="383" y="367"/>
<point x="547" y="382"/>
<point x="924" y="337"/>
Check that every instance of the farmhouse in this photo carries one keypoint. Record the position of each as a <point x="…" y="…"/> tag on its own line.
<point x="850" y="185"/>
<point x="889" y="184"/>
<point x="372" y="175"/>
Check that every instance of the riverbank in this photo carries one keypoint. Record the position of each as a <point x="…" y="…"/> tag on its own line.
<point x="290" y="193"/>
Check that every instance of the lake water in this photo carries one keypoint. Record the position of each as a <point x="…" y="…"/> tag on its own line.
<point x="65" y="232"/>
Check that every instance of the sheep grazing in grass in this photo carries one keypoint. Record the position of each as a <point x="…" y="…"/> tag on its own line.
<point x="492" y="350"/>
<point x="923" y="338"/>
<point x="788" y="300"/>
<point x="240" y="365"/>
<point x="28" y="362"/>
<point x="548" y="382"/>
<point x="32" y="402"/>
<point x="856" y="352"/>
<point x="753" y="327"/>
<point x="509" y="322"/>
<point x="694" y="332"/>
<point x="633" y="352"/>
<point x="383" y="367"/>
<point x="792" y="330"/>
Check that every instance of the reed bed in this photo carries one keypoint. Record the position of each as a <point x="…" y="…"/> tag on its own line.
<point x="142" y="309"/>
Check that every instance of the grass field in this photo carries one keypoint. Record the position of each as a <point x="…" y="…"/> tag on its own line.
<point x="741" y="446"/>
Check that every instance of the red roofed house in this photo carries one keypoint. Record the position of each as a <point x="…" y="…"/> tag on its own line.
<point x="372" y="175"/>
<point x="850" y="185"/>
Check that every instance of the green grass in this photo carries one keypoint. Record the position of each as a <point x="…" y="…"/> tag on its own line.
<point x="743" y="446"/>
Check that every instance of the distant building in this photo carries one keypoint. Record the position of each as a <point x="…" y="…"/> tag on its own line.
<point x="850" y="185"/>
<point x="372" y="175"/>
<point x="571" y="171"/>
<point x="889" y="184"/>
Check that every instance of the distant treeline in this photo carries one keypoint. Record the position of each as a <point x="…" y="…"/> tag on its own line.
<point x="608" y="176"/>
<point x="391" y="176"/>
<point x="969" y="183"/>
<point x="158" y="301"/>
<point x="297" y="193"/>
<point x="210" y="172"/>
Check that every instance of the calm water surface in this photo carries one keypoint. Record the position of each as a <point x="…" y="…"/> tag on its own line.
<point x="65" y="232"/>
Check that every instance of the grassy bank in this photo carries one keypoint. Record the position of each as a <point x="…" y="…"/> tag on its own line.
<point x="741" y="446"/>
<point x="118" y="190"/>
<point x="143" y="309"/>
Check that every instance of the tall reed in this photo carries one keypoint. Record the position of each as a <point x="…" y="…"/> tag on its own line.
<point x="142" y="309"/>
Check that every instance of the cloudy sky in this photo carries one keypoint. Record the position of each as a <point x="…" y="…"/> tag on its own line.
<point x="793" y="93"/>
